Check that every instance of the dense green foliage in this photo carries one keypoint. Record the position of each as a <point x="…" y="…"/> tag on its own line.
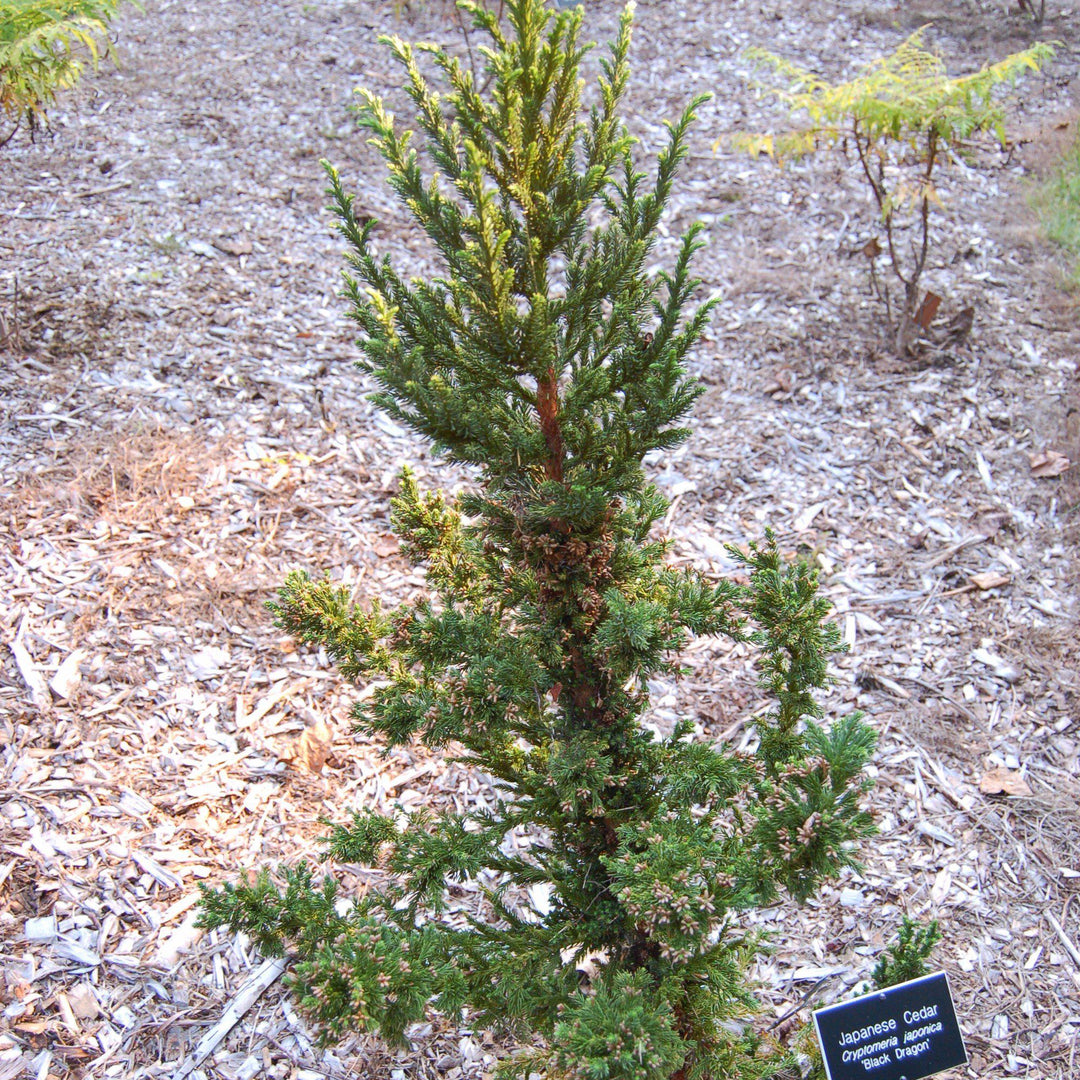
<point x="44" y="45"/>
<point x="903" y="115"/>
<point x="550" y="361"/>
<point x="907" y="958"/>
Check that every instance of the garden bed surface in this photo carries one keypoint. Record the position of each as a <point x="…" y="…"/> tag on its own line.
<point x="181" y="425"/>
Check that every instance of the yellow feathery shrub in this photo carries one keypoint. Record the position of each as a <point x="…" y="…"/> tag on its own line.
<point x="904" y="115"/>
<point x="44" y="46"/>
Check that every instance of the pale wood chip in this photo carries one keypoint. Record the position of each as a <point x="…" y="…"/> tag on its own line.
<point x="179" y="941"/>
<point x="989" y="579"/>
<point x="35" y="681"/>
<point x="267" y="974"/>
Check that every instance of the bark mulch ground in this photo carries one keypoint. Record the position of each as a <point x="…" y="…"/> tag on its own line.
<point x="181" y="425"/>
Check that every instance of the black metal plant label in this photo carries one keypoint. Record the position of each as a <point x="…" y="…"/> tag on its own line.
<point x="903" y="1033"/>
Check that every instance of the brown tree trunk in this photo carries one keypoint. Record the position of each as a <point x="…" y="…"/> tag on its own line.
<point x="547" y="406"/>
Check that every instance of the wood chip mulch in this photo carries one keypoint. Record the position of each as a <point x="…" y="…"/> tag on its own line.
<point x="181" y="425"/>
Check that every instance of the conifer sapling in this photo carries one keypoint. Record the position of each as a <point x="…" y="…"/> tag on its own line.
<point x="906" y="959"/>
<point x="551" y="362"/>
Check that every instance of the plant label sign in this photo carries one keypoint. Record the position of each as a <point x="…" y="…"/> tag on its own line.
<point x="903" y="1033"/>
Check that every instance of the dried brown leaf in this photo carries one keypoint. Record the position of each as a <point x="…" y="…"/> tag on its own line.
<point x="1002" y="781"/>
<point x="84" y="1002"/>
<point x="1048" y="463"/>
<point x="313" y="747"/>
<point x="928" y="309"/>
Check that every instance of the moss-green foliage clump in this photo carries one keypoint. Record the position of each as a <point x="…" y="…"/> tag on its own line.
<point x="907" y="958"/>
<point x="549" y="360"/>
